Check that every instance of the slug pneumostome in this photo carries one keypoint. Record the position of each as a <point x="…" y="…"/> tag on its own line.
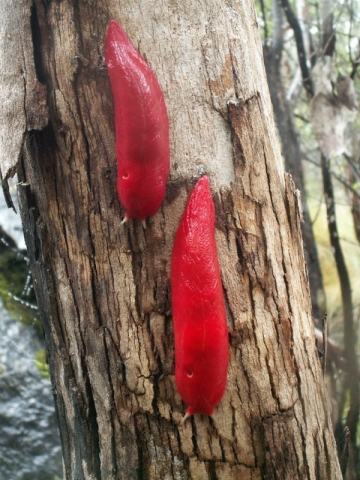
<point x="199" y="318"/>
<point x="141" y="127"/>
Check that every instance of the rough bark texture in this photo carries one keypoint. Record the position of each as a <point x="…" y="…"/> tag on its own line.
<point x="104" y="288"/>
<point x="23" y="97"/>
<point x="293" y="159"/>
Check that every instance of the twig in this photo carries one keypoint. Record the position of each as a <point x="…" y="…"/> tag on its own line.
<point x="325" y="342"/>
<point x="344" y="456"/>
<point x="295" y="25"/>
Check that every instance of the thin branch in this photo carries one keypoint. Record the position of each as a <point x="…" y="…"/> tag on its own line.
<point x="302" y="118"/>
<point x="353" y="165"/>
<point x="335" y="175"/>
<point x="325" y="341"/>
<point x="350" y="336"/>
<point x="295" y="25"/>
<point x="344" y="457"/>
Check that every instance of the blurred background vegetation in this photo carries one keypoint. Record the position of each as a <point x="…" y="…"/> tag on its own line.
<point x="312" y="55"/>
<point x="29" y="444"/>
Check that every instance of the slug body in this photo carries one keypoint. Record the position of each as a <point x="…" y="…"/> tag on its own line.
<point x="141" y="127"/>
<point x="199" y="317"/>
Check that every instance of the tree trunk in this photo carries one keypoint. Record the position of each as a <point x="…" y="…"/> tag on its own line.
<point x="293" y="159"/>
<point x="103" y="288"/>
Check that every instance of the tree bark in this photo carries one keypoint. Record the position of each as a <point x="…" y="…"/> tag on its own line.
<point x="103" y="288"/>
<point x="293" y="159"/>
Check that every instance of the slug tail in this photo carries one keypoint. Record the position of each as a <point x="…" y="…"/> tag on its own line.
<point x="187" y="415"/>
<point x="124" y="220"/>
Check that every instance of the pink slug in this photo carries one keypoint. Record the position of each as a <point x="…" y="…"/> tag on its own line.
<point x="199" y="318"/>
<point x="141" y="127"/>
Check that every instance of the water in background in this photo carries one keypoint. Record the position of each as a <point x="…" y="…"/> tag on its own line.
<point x="29" y="438"/>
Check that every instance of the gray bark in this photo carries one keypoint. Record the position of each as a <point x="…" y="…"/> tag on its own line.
<point x="104" y="288"/>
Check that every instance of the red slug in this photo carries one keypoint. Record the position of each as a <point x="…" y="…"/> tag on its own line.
<point x="141" y="127"/>
<point x="199" y="318"/>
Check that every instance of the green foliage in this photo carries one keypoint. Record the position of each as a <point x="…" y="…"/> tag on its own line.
<point x="330" y="119"/>
<point x="346" y="23"/>
<point x="40" y="362"/>
<point x="351" y="250"/>
<point x="16" y="290"/>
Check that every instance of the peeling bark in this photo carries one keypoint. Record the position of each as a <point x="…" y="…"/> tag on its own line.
<point x="23" y="106"/>
<point x="293" y="158"/>
<point x="104" y="289"/>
